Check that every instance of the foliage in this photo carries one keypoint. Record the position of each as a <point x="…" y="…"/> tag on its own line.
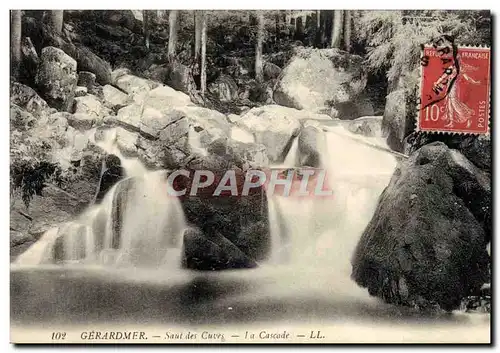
<point x="393" y="38"/>
<point x="30" y="165"/>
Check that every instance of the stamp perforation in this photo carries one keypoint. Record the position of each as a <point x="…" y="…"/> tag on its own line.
<point x="453" y="131"/>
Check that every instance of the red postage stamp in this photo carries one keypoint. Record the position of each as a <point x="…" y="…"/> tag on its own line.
<point x="454" y="89"/>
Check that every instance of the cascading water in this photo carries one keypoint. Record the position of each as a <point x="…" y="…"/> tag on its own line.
<point x="319" y="231"/>
<point x="136" y="224"/>
<point x="305" y="285"/>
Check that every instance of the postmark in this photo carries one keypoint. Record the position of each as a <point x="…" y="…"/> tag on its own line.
<point x="454" y="88"/>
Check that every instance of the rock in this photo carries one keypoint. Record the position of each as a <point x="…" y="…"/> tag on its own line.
<point x="197" y="131"/>
<point x="52" y="207"/>
<point x="112" y="32"/>
<point x="153" y="122"/>
<point x="112" y="174"/>
<point x="130" y="83"/>
<point x="88" y="61"/>
<point x="113" y="97"/>
<point x="360" y="107"/>
<point x="126" y="141"/>
<point x="275" y="126"/>
<point x="81" y="121"/>
<point x="310" y="145"/>
<point x="399" y="114"/>
<point x="163" y="97"/>
<point x="26" y="98"/>
<point x="369" y="126"/>
<point x="231" y="218"/>
<point x="425" y="242"/>
<point x="271" y="71"/>
<point x="74" y="143"/>
<point x="169" y="136"/>
<point x="20" y="119"/>
<point x="58" y="122"/>
<point x="224" y="88"/>
<point x="88" y="105"/>
<point x="233" y="118"/>
<point x="179" y="77"/>
<point x="319" y="79"/>
<point x="56" y="78"/>
<point x="80" y="91"/>
<point x="30" y="61"/>
<point x="254" y="154"/>
<point x="87" y="79"/>
<point x="477" y="148"/>
<point x="201" y="253"/>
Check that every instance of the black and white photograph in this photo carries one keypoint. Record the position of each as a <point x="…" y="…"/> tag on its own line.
<point x="250" y="176"/>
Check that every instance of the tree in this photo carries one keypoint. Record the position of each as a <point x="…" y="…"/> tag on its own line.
<point x="56" y="20"/>
<point x="347" y="30"/>
<point x="259" y="74"/>
<point x="203" y="69"/>
<point x="337" y="28"/>
<point x="145" y="27"/>
<point x="198" y="19"/>
<point x="15" y="42"/>
<point x="172" y="33"/>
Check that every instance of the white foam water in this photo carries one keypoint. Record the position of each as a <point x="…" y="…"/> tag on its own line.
<point x="137" y="213"/>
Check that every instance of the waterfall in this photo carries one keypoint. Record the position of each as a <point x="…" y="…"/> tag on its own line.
<point x="136" y="224"/>
<point x="323" y="231"/>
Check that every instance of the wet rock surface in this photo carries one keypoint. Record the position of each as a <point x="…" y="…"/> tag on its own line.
<point x="426" y="242"/>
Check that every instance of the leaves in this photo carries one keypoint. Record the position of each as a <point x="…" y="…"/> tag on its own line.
<point x="393" y="38"/>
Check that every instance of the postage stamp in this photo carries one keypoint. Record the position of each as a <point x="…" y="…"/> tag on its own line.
<point x="454" y="89"/>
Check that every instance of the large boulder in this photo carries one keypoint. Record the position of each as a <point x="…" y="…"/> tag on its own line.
<point x="111" y="174"/>
<point x="400" y="111"/>
<point x="275" y="127"/>
<point x="26" y="98"/>
<point x="179" y="77"/>
<point x="426" y="243"/>
<point x="113" y="97"/>
<point x="88" y="104"/>
<point x="88" y="61"/>
<point x="30" y="61"/>
<point x="311" y="143"/>
<point x="56" y="78"/>
<point x="216" y="253"/>
<point x="129" y="83"/>
<point x="477" y="148"/>
<point x="271" y="71"/>
<point x="320" y="79"/>
<point x="231" y="221"/>
<point x="20" y="119"/>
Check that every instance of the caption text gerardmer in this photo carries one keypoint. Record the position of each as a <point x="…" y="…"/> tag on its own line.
<point x="204" y="335"/>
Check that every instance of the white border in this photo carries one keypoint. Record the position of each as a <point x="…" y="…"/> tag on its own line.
<point x="193" y="4"/>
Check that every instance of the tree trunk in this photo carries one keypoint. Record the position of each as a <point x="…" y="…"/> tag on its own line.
<point x="203" y="69"/>
<point x="145" y="27"/>
<point x="15" y="42"/>
<point x="288" y="17"/>
<point x="347" y="30"/>
<point x="56" y="20"/>
<point x="299" y="28"/>
<point x="172" y="33"/>
<point x="259" y="74"/>
<point x="198" y="17"/>
<point x="337" y="28"/>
